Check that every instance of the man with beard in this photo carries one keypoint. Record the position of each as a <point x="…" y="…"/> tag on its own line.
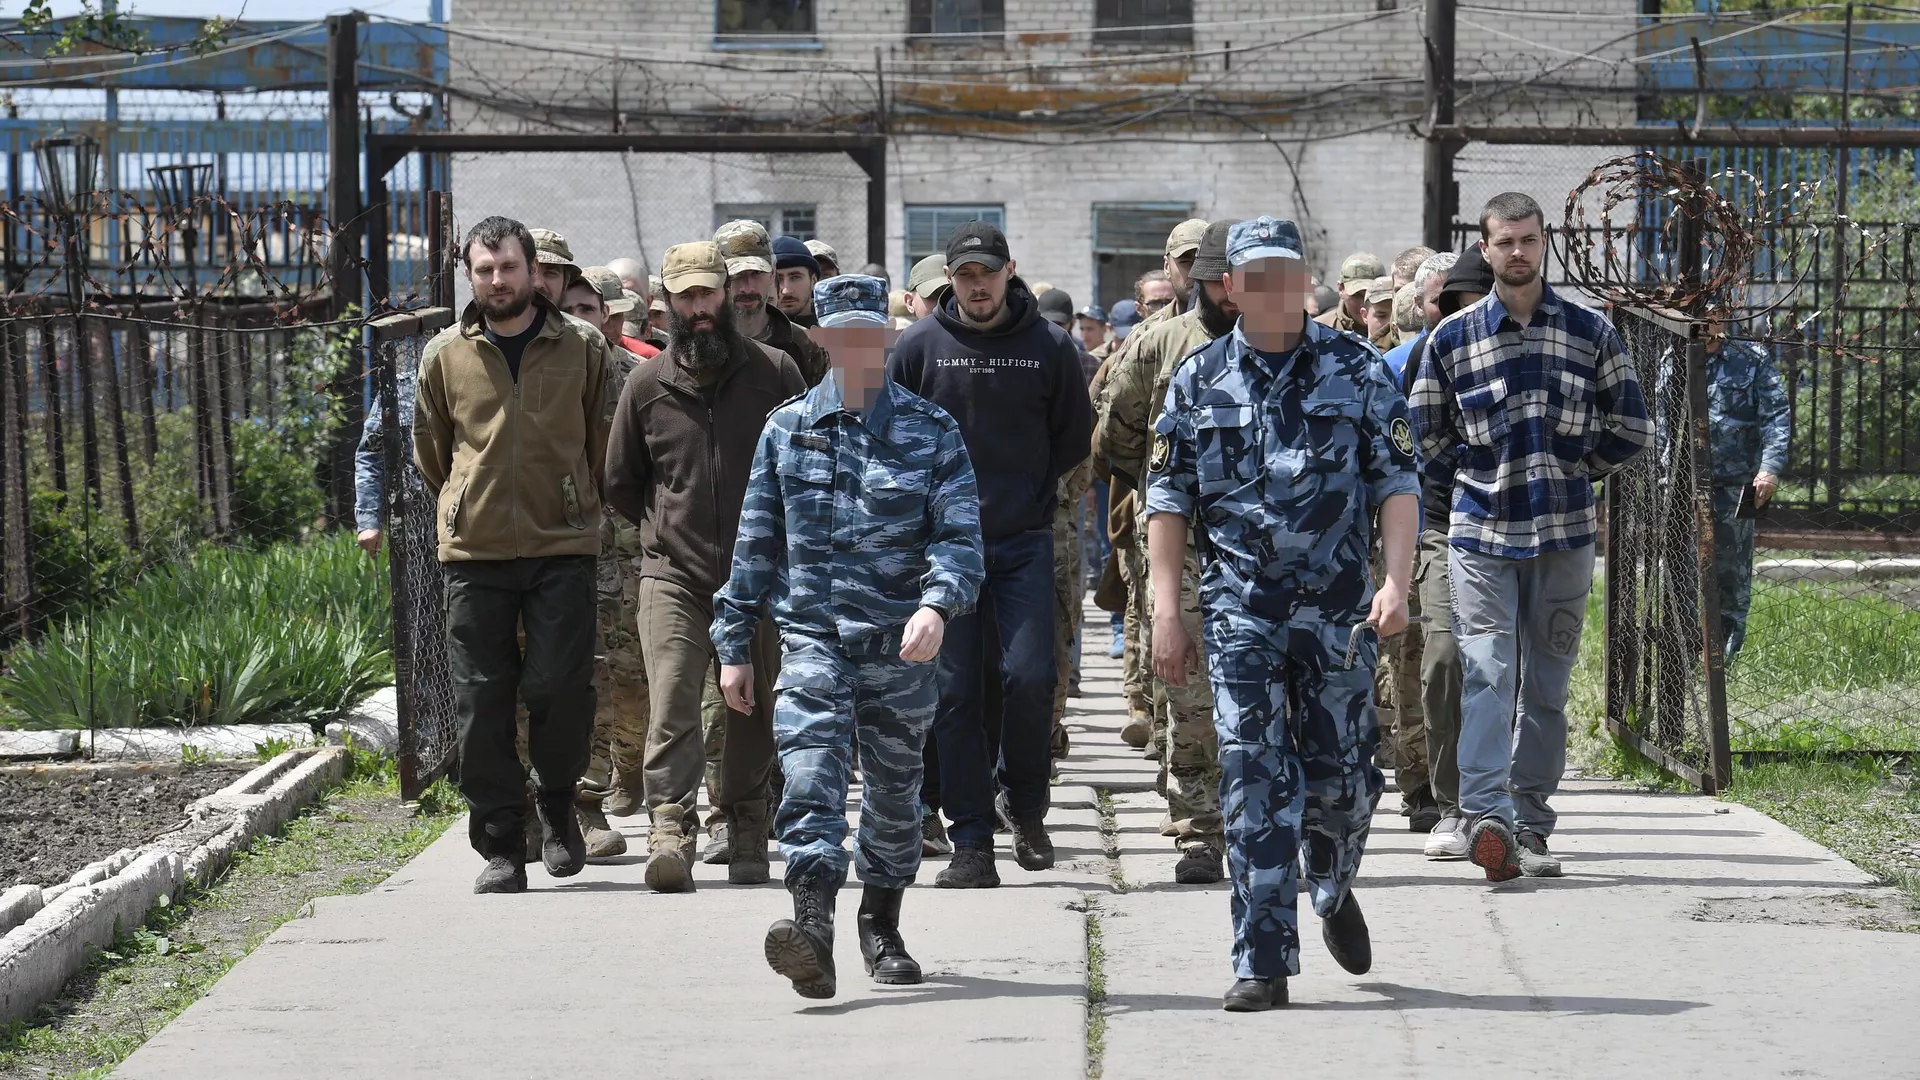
<point x="1013" y="381"/>
<point x="1190" y="758"/>
<point x="554" y="268"/>
<point x="677" y="465"/>
<point x="1521" y="403"/>
<point x="749" y="254"/>
<point x="795" y="272"/>
<point x="509" y="432"/>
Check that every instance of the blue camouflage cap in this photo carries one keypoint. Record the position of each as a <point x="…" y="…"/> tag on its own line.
<point x="850" y="300"/>
<point x="1264" y="237"/>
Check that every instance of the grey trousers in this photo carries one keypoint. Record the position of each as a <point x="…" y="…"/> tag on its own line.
<point x="1439" y="671"/>
<point x="1518" y="625"/>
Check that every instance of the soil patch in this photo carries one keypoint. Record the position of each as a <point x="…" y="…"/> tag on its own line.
<point x="53" y="826"/>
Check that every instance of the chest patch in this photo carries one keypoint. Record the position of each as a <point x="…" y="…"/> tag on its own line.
<point x="811" y="440"/>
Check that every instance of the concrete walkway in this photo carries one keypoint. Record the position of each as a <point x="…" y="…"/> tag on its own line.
<point x="1688" y="936"/>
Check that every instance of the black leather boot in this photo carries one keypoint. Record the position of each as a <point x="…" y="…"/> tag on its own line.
<point x="880" y="944"/>
<point x="801" y="948"/>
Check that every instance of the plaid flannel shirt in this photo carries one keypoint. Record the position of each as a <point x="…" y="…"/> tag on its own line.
<point x="1522" y="420"/>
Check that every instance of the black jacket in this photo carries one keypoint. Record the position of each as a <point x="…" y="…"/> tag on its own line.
<point x="1020" y="397"/>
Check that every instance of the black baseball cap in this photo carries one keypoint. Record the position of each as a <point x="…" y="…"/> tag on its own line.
<point x="980" y="242"/>
<point x="1056" y="306"/>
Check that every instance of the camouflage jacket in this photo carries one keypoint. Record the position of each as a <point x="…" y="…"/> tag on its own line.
<point x="1137" y="388"/>
<point x="370" y="457"/>
<point x="1746" y="410"/>
<point x="1284" y="461"/>
<point x="852" y="523"/>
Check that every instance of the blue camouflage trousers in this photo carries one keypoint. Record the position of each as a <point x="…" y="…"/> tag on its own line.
<point x="1733" y="538"/>
<point x="827" y="697"/>
<point x="1297" y="739"/>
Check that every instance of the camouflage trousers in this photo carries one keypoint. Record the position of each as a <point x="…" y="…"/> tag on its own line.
<point x="1184" y="724"/>
<point x="1135" y="670"/>
<point x="1297" y="738"/>
<point x="828" y="700"/>
<point x="620" y="721"/>
<point x="1403" y="718"/>
<point x="1732" y="565"/>
<point x="1068" y="592"/>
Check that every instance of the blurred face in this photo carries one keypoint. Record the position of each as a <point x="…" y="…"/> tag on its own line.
<point x="1179" y="270"/>
<point x="698" y="307"/>
<point x="1155" y="295"/>
<point x="980" y="293"/>
<point x="552" y="282"/>
<point x="748" y="291"/>
<point x="1379" y="317"/>
<point x="1430" y="300"/>
<point x="582" y="301"/>
<point x="1515" y="250"/>
<point x="860" y="356"/>
<point x="1271" y="294"/>
<point x="795" y="290"/>
<point x="502" y="283"/>
<point x="1092" y="334"/>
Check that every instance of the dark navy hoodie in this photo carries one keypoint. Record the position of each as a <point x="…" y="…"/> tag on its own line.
<point x="1019" y="396"/>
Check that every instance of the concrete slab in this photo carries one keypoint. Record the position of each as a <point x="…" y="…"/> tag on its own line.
<point x="26" y="745"/>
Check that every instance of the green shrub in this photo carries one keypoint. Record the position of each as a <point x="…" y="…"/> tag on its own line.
<point x="297" y="632"/>
<point x="275" y="497"/>
<point x="78" y="557"/>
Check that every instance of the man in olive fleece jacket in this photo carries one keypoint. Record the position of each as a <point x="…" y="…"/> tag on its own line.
<point x="678" y="462"/>
<point x="509" y="432"/>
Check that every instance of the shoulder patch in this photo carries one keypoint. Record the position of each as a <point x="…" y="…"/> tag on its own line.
<point x="1161" y="450"/>
<point x="1402" y="434"/>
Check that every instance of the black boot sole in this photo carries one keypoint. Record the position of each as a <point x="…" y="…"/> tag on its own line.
<point x="793" y="954"/>
<point x="1351" y="946"/>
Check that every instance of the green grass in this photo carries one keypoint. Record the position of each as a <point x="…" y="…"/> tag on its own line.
<point x="350" y="841"/>
<point x="1828" y="666"/>
<point x="1096" y="992"/>
<point x="1863" y="810"/>
<point x="292" y="633"/>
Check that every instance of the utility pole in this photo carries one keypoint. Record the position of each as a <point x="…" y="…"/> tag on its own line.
<point x="1442" y="195"/>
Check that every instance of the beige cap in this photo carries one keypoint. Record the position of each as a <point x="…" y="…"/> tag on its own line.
<point x="745" y="245"/>
<point x="929" y="276"/>
<point x="689" y="266"/>
<point x="820" y="249"/>
<point x="1186" y="237"/>
<point x="607" y="284"/>
<point x="551" y="248"/>
<point x="1379" y="289"/>
<point x="1361" y="266"/>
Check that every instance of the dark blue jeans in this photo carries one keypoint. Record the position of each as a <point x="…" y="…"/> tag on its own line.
<point x="1019" y="596"/>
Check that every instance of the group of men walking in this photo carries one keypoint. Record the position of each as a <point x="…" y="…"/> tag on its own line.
<point x="833" y="544"/>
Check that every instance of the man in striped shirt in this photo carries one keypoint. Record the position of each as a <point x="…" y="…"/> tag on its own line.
<point x="1521" y="403"/>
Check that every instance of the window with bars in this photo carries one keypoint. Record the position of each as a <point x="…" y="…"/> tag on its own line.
<point x="1130" y="239"/>
<point x="797" y="220"/>
<point x="751" y="21"/>
<point x="956" y="22"/>
<point x="929" y="226"/>
<point x="1143" y="22"/>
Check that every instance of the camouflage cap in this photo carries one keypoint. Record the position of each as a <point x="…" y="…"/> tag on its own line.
<point x="850" y="300"/>
<point x="1379" y="289"/>
<point x="1264" y="237"/>
<point x="746" y="245"/>
<point x="820" y="249"/>
<point x="633" y="300"/>
<point x="656" y="294"/>
<point x="1361" y="266"/>
<point x="929" y="276"/>
<point x="689" y="266"/>
<point x="1186" y="237"/>
<point x="551" y="248"/>
<point x="612" y="294"/>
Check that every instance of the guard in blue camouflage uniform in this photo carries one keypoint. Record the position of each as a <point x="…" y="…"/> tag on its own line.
<point x="1282" y="440"/>
<point x="861" y="529"/>
<point x="1749" y="422"/>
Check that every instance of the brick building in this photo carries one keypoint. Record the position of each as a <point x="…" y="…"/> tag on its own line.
<point x="1085" y="128"/>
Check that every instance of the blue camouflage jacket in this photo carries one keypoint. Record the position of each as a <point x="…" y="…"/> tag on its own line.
<point x="1747" y="412"/>
<point x="370" y="458"/>
<point x="1284" y="460"/>
<point x="852" y="523"/>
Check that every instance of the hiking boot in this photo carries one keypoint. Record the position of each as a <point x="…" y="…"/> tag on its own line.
<point x="603" y="842"/>
<point x="1199" y="865"/>
<point x="1032" y="847"/>
<point x="971" y="868"/>
<point x="1136" y="731"/>
<point x="801" y="948"/>
<point x="1345" y="932"/>
<point x="749" y="864"/>
<point x="1490" y="847"/>
<point x="505" y="872"/>
<point x="1535" y="860"/>
<point x="622" y="803"/>
<point x="1423" y="810"/>
<point x="563" y="849"/>
<point x="1448" y="840"/>
<point x="881" y="948"/>
<point x="1256" y="995"/>
<point x="933" y="835"/>
<point x="719" y="845"/>
<point x="669" y="869"/>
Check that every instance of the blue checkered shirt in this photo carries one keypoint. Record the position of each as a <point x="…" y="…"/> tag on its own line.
<point x="1522" y="420"/>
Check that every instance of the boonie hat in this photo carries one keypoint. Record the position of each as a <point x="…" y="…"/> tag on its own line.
<point x="1211" y="263"/>
<point x="607" y="283"/>
<point x="1265" y="237"/>
<point x="1186" y="236"/>
<point x="746" y="247"/>
<point x="688" y="266"/>
<point x="550" y="248"/>
<point x="977" y="242"/>
<point x="851" y="300"/>
<point x="929" y="276"/>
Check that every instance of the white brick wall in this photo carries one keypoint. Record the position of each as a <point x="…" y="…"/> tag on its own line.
<point x="1357" y="192"/>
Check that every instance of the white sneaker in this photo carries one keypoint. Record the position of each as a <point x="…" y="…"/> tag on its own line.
<point x="1448" y="840"/>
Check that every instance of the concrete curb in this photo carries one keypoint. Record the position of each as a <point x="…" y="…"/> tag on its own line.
<point x="65" y="924"/>
<point x="374" y="724"/>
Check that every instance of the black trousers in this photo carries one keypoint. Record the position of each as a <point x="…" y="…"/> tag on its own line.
<point x="487" y="604"/>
